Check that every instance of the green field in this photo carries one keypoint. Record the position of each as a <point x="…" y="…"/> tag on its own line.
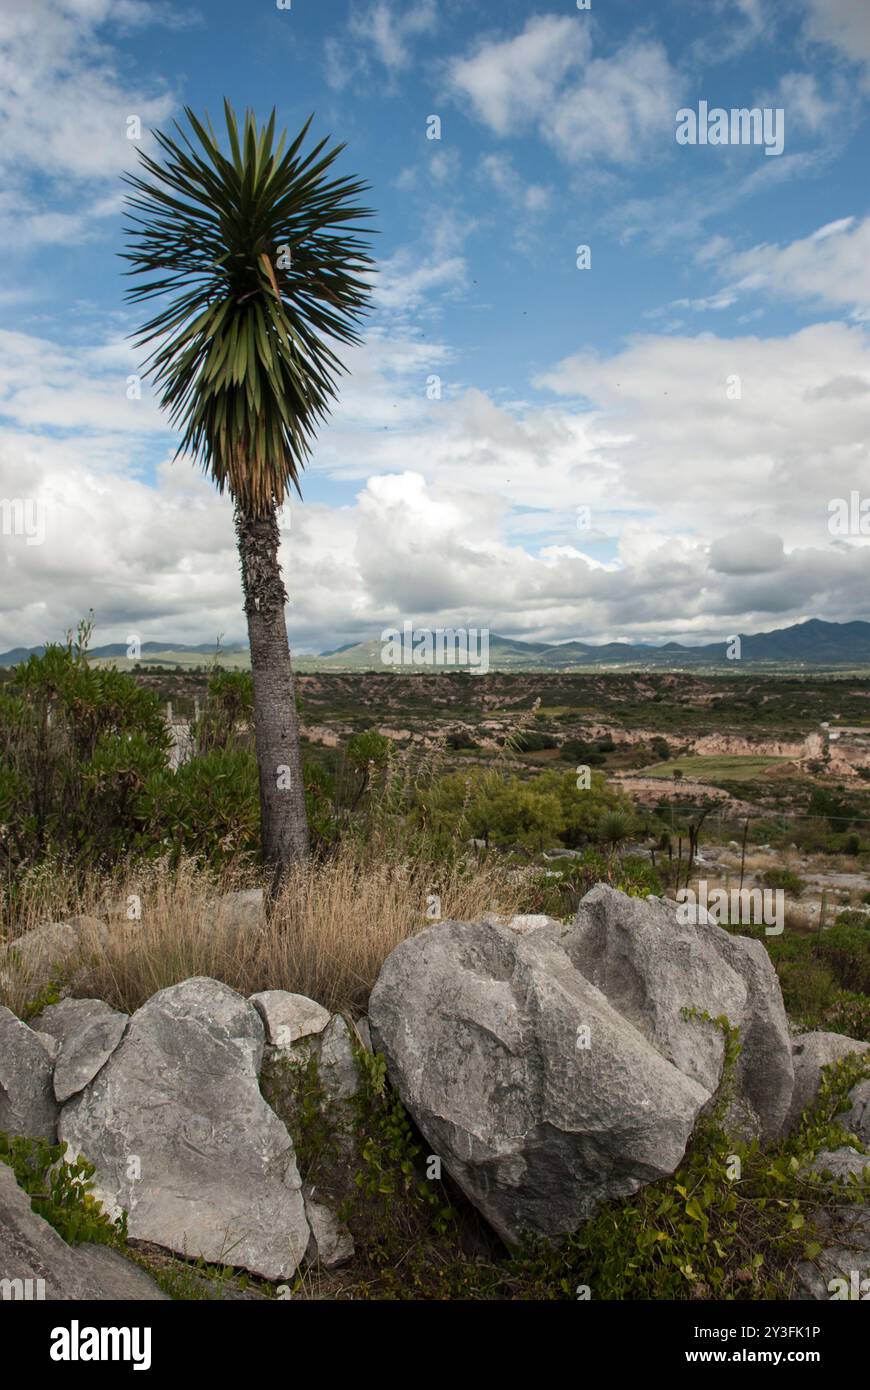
<point x="731" y="767"/>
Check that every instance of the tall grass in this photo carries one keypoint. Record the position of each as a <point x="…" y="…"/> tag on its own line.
<point x="331" y="929"/>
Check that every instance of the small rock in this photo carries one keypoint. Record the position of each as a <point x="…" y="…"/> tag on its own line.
<point x="842" y="1164"/>
<point x="331" y="1242"/>
<point x="529" y="921"/>
<point x="241" y="910"/>
<point x="289" y="1017"/>
<point x="364" y="1033"/>
<point x="39" y="955"/>
<point x="857" y="1119"/>
<point x="337" y="1063"/>
<point x="810" y="1053"/>
<point x="27" y="1103"/>
<point x="85" y="1033"/>
<point x="844" y="1262"/>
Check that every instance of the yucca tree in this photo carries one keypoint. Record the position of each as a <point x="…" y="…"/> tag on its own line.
<point x="260" y="268"/>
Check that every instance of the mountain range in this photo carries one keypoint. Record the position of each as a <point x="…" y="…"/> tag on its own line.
<point x="813" y="643"/>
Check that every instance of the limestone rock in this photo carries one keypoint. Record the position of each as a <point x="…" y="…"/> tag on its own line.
<point x="539" y="1096"/>
<point x="182" y="1138"/>
<point x="651" y="966"/>
<point x="87" y="1031"/>
<point x="857" y="1119"/>
<point x="811" y="1052"/>
<point x="288" y="1017"/>
<point x="27" y="1103"/>
<point x="31" y="1250"/>
<point x="331" y="1242"/>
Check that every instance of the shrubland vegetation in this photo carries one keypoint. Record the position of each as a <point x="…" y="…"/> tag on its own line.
<point x="92" y="816"/>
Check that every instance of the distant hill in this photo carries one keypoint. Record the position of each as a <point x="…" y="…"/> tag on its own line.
<point x="811" y="644"/>
<point x="179" y="654"/>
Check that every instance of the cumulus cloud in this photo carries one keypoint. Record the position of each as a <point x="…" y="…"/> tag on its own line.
<point x="832" y="265"/>
<point x="64" y="109"/>
<point x="744" y="430"/>
<point x="615" y="108"/>
<point x="709" y="508"/>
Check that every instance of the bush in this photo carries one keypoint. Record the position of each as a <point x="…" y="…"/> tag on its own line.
<point x="578" y="750"/>
<point x="529" y="741"/>
<point x="848" y="1013"/>
<point x="508" y="812"/>
<point x="209" y="807"/>
<point x="77" y="747"/>
<point x="460" y="739"/>
<point x="60" y="1191"/>
<point x="846" y="949"/>
<point x="784" y="879"/>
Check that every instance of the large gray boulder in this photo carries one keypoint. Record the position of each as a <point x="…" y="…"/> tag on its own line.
<point x="182" y="1138"/>
<point x="811" y="1052"/>
<point x="27" y="1102"/>
<point x="650" y="965"/>
<point x="539" y="1096"/>
<point x="36" y="1263"/>
<point x="87" y="1032"/>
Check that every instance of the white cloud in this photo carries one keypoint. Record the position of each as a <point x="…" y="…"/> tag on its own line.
<point x="513" y="82"/>
<point x="384" y="34"/>
<point x="390" y="31"/>
<point x="772" y="457"/>
<point x="709" y="515"/>
<point x="832" y="265"/>
<point x="499" y="170"/>
<point x="63" y="107"/>
<point x="45" y="386"/>
<point x="800" y="97"/>
<point x="403" y="282"/>
<point x="615" y="108"/>
<point x="843" y="25"/>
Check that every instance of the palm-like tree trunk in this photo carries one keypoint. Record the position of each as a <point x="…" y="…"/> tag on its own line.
<point x="276" y="724"/>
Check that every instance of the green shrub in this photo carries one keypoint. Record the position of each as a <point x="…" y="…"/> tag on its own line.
<point x="580" y="751"/>
<point x="784" y="879"/>
<point x="846" y="949"/>
<point x="209" y="807"/>
<point x="60" y="1191"/>
<point x="848" y="1013"/>
<point x="77" y="746"/>
<point x="530" y="741"/>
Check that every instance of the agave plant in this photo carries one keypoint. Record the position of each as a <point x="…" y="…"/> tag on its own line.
<point x="259" y="263"/>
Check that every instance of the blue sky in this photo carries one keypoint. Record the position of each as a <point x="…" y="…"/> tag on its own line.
<point x="703" y="388"/>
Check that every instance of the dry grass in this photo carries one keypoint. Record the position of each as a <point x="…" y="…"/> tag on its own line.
<point x="331" y="930"/>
